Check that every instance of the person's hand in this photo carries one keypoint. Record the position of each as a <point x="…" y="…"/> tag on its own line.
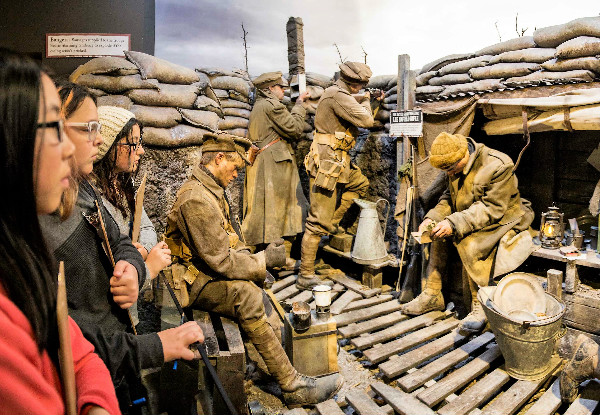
<point x="381" y="96"/>
<point x="176" y="341"/>
<point x="366" y="96"/>
<point x="158" y="259"/>
<point x="423" y="226"/>
<point x="303" y="96"/>
<point x="143" y="251"/>
<point x="442" y="229"/>
<point x="124" y="284"/>
<point x="275" y="254"/>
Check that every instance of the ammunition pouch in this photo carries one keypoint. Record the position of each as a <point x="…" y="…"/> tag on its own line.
<point x="179" y="249"/>
<point x="181" y="277"/>
<point x="328" y="174"/>
<point x="341" y="140"/>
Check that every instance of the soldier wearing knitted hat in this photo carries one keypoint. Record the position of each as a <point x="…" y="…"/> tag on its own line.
<point x="484" y="214"/>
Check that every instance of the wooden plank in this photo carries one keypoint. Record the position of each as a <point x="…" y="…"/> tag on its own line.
<point x="413" y="380"/>
<point x="233" y="335"/>
<point x="210" y="338"/>
<point x="329" y="407"/>
<point x="356" y="329"/>
<point x="368" y="302"/>
<point x="305" y="296"/>
<point x="353" y="285"/>
<point x="367" y="313"/>
<point x="517" y="395"/>
<point x="582" y="406"/>
<point x="382" y="351"/>
<point x="402" y="402"/>
<point x="400" y="364"/>
<point x="363" y="404"/>
<point x="296" y="411"/>
<point x="548" y="403"/>
<point x="281" y="284"/>
<point x="340" y="304"/>
<point x="477" y="394"/>
<point x="286" y="293"/>
<point x="398" y="329"/>
<point x="459" y="378"/>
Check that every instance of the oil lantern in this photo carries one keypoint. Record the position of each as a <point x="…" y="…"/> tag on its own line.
<point x="552" y="228"/>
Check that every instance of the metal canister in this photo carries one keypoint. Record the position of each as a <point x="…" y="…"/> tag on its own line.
<point x="300" y="316"/>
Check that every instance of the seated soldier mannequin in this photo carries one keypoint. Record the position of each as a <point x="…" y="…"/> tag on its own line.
<point x="226" y="277"/>
<point x="482" y="211"/>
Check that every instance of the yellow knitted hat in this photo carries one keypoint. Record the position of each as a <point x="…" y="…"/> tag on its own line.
<point x="447" y="150"/>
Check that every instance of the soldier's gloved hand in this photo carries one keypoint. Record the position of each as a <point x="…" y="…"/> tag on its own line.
<point x="275" y="254"/>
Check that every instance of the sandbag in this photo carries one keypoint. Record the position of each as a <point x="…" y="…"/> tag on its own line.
<point x="230" y="122"/>
<point x="465" y="65"/>
<point x="214" y="72"/>
<point x="551" y="77"/>
<point x="210" y="93"/>
<point x="532" y="55"/>
<point x="317" y="79"/>
<point x="579" y="47"/>
<point x="115" y="101"/>
<point x="165" y="71"/>
<point x="232" y="103"/>
<point x="486" y="85"/>
<point x="237" y="112"/>
<point x="231" y="83"/>
<point x="552" y="36"/>
<point x="108" y="65"/>
<point x="446" y="60"/>
<point x="504" y="70"/>
<point x="206" y="104"/>
<point x="97" y="92"/>
<point x="450" y="79"/>
<point x="203" y="81"/>
<point x="222" y="94"/>
<point x="238" y="97"/>
<point x="424" y="78"/>
<point x="517" y="43"/>
<point x="116" y="84"/>
<point x="315" y="91"/>
<point x="240" y="132"/>
<point x="591" y="63"/>
<point x="428" y="90"/>
<point x="381" y="81"/>
<point x="164" y="117"/>
<point x="178" y="136"/>
<point x="168" y="95"/>
<point x="382" y="115"/>
<point x="199" y="118"/>
<point x="391" y="106"/>
<point x="390" y="98"/>
<point x="393" y="90"/>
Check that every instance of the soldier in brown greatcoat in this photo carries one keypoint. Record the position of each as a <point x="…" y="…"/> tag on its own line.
<point x="274" y="205"/>
<point x="224" y="276"/>
<point x="328" y="164"/>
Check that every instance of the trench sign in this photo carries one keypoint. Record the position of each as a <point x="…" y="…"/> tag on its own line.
<point x="406" y="123"/>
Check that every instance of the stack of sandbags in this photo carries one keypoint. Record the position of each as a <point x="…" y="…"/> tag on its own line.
<point x="234" y="91"/>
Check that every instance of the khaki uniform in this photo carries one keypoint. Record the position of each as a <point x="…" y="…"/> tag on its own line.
<point x="274" y="204"/>
<point x="488" y="215"/>
<point x="328" y="163"/>
<point x="223" y="272"/>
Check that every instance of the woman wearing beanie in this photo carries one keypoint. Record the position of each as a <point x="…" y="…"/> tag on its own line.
<point x="100" y="294"/>
<point x="483" y="213"/>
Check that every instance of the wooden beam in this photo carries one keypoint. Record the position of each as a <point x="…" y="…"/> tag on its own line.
<point x="363" y="404"/>
<point x="356" y="329"/>
<point x="402" y="402"/>
<point x="367" y="313"/>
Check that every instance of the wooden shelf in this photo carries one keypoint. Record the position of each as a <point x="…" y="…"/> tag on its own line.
<point x="591" y="258"/>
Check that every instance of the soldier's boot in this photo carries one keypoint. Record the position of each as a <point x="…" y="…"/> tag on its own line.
<point x="582" y="366"/>
<point x="475" y="321"/>
<point x="298" y="390"/>
<point x="307" y="278"/>
<point x="430" y="299"/>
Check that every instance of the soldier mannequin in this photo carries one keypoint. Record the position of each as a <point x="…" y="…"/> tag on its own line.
<point x="224" y="273"/>
<point x="583" y="365"/>
<point x="274" y="205"/>
<point x="328" y="163"/>
<point x="482" y="210"/>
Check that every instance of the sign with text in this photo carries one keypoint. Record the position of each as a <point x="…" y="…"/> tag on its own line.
<point x="408" y="123"/>
<point x="83" y="45"/>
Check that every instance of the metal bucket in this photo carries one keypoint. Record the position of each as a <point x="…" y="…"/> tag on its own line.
<point x="527" y="346"/>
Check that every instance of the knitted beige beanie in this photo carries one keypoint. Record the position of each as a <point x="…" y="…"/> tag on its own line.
<point x="447" y="150"/>
<point x="113" y="119"/>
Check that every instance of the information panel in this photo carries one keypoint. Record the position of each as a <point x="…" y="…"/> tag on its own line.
<point x="69" y="45"/>
<point x="406" y="123"/>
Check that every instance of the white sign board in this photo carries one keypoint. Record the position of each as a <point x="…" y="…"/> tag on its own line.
<point x="406" y="123"/>
<point x="301" y="83"/>
<point x="68" y="45"/>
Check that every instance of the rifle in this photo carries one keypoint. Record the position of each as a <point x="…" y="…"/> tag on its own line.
<point x="139" y="207"/>
<point x="414" y="216"/>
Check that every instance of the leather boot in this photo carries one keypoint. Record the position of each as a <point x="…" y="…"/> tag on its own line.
<point x="428" y="300"/>
<point x="475" y="321"/>
<point x="307" y="278"/>
<point x="582" y="366"/>
<point x="297" y="389"/>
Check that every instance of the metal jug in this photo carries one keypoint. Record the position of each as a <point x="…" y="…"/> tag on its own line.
<point x="369" y="247"/>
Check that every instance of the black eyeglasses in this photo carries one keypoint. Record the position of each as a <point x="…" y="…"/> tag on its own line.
<point x="133" y="146"/>
<point x="58" y="125"/>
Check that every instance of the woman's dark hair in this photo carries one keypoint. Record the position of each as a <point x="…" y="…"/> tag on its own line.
<point x="27" y="269"/>
<point x="72" y="96"/>
<point x="117" y="187"/>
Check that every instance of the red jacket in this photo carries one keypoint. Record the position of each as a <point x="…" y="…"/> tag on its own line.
<point x="29" y="382"/>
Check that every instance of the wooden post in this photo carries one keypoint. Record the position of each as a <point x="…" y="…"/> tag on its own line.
<point x="372" y="277"/>
<point x="404" y="101"/>
<point x="554" y="279"/>
<point x="571" y="278"/>
<point x="295" y="38"/>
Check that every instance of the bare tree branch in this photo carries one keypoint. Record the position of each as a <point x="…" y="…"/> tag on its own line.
<point x="365" y="53"/>
<point x="244" y="34"/>
<point x="338" y="51"/>
<point x="520" y="32"/>
<point x="498" y="30"/>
